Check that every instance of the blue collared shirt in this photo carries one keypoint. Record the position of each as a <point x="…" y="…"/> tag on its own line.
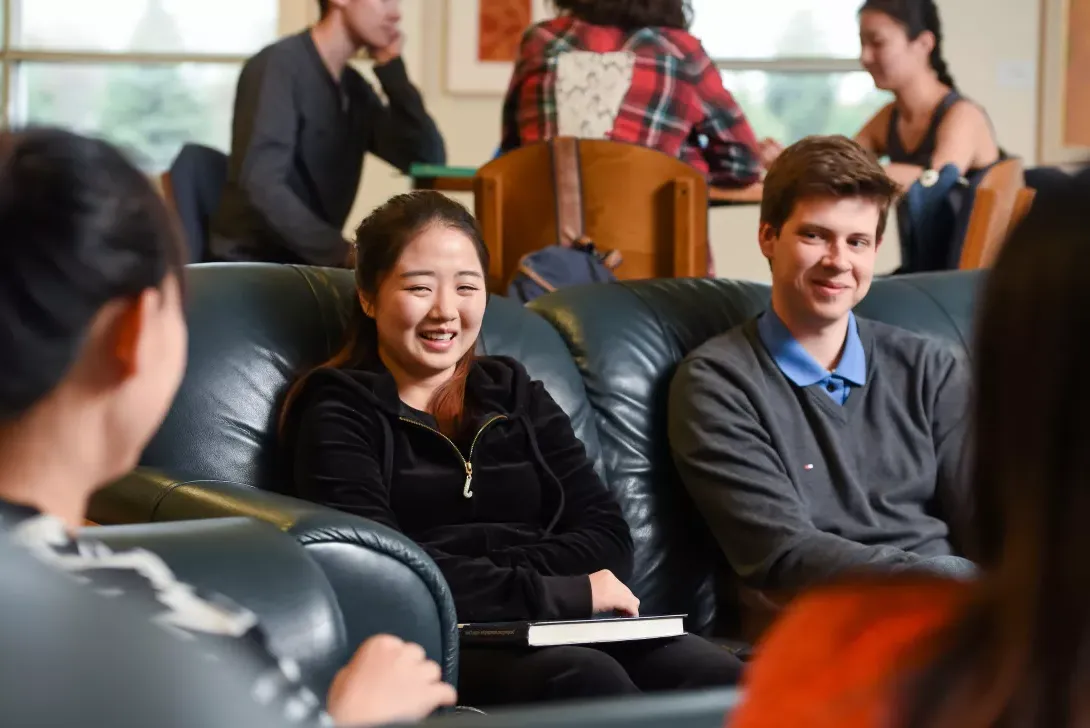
<point x="801" y="368"/>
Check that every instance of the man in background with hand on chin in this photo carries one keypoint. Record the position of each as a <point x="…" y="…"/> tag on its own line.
<point x="303" y="121"/>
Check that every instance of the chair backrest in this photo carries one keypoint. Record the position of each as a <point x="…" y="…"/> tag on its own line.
<point x="999" y="195"/>
<point x="193" y="187"/>
<point x="253" y="328"/>
<point x="628" y="339"/>
<point x="1022" y="203"/>
<point x="650" y="207"/>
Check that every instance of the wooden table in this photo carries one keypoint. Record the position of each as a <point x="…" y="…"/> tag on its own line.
<point x="444" y="184"/>
<point x="444" y="179"/>
<point x="460" y="179"/>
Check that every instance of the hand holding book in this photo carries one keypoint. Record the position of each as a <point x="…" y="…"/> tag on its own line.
<point x="609" y="594"/>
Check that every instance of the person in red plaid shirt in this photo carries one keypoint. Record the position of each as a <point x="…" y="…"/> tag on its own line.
<point x="629" y="71"/>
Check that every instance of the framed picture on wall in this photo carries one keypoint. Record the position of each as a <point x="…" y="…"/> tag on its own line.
<point x="482" y="40"/>
<point x="1064" y="123"/>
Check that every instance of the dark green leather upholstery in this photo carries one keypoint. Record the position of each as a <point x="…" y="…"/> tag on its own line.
<point x="253" y="563"/>
<point x="696" y="709"/>
<point x="605" y="352"/>
<point x="383" y="583"/>
<point x="86" y="660"/>
<point x="74" y="658"/>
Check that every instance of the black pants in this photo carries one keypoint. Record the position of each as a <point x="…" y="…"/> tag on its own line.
<point x="503" y="676"/>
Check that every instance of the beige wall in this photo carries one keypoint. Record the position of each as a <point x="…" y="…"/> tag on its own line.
<point x="991" y="45"/>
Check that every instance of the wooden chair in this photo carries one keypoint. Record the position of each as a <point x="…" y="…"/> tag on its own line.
<point x="650" y="207"/>
<point x="1000" y="202"/>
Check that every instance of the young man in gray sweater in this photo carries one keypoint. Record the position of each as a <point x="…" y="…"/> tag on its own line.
<point x="813" y="442"/>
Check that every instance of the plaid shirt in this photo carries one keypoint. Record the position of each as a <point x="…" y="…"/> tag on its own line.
<point x="676" y="102"/>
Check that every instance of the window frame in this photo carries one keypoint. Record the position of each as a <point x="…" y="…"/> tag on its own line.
<point x="801" y="64"/>
<point x="292" y="16"/>
<point x="789" y="64"/>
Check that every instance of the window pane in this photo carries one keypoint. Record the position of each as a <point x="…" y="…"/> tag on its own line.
<point x="149" y="110"/>
<point x="789" y="106"/>
<point x="148" y="26"/>
<point x="778" y="28"/>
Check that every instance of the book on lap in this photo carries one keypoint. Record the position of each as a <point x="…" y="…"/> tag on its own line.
<point x="571" y="632"/>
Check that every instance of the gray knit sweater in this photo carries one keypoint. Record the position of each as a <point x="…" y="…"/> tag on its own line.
<point x="798" y="489"/>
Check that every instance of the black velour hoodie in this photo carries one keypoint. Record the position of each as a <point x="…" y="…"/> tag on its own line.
<point x="511" y="511"/>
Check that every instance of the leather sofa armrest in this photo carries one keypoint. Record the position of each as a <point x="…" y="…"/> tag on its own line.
<point x="384" y="582"/>
<point x="689" y="709"/>
<point x="73" y="658"/>
<point x="258" y="568"/>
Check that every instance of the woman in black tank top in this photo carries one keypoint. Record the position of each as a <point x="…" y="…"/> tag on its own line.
<point x="929" y="124"/>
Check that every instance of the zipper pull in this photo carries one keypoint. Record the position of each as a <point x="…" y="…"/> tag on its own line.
<point x="466" y="492"/>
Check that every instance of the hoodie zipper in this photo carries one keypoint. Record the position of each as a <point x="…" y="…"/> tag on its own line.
<point x="468" y="463"/>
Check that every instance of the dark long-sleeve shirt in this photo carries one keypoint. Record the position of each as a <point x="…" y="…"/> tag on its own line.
<point x="297" y="148"/>
<point x="799" y="489"/>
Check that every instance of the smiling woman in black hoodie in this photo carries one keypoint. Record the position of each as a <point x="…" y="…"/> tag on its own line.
<point x="475" y="462"/>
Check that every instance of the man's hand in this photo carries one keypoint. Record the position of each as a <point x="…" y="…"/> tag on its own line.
<point x="390" y="52"/>
<point x="387" y="681"/>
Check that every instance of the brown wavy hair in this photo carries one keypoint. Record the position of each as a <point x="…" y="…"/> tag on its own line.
<point x="380" y="240"/>
<point x="824" y="166"/>
<point x="631" y="14"/>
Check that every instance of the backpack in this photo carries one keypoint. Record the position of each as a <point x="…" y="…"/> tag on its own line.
<point x="574" y="259"/>
<point x="556" y="266"/>
<point x="933" y="218"/>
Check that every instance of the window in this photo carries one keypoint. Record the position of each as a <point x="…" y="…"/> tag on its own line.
<point x="149" y="75"/>
<point x="791" y="64"/>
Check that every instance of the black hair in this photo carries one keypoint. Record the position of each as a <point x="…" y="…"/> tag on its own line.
<point x="323" y="8"/>
<point x="631" y="14"/>
<point x="82" y="226"/>
<point x="1016" y="655"/>
<point x="917" y="16"/>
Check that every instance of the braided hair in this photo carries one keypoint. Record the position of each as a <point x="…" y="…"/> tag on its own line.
<point x="917" y="16"/>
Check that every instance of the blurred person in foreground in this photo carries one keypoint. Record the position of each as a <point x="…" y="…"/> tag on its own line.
<point x="92" y="350"/>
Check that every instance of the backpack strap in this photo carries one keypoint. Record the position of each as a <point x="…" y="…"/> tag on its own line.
<point x="568" y="187"/>
<point x="612" y="259"/>
<point x="525" y="269"/>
